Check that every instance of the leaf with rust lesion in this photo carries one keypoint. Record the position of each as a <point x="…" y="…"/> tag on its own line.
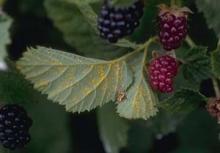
<point x="141" y="101"/>
<point x="77" y="82"/>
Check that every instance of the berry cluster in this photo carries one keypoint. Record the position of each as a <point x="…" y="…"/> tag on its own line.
<point x="162" y="70"/>
<point x="173" y="26"/>
<point x="14" y="127"/>
<point x="115" y="23"/>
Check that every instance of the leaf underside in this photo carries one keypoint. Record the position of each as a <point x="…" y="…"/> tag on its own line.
<point x="141" y="101"/>
<point x="82" y="83"/>
<point x="77" y="82"/>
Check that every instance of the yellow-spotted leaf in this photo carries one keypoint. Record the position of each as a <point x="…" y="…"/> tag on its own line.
<point x="77" y="82"/>
<point x="140" y="101"/>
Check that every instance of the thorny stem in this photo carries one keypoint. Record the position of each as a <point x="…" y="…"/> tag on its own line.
<point x="190" y="42"/>
<point x="216" y="87"/>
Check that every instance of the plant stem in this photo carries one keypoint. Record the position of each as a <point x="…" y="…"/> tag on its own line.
<point x="190" y="42"/>
<point x="216" y="87"/>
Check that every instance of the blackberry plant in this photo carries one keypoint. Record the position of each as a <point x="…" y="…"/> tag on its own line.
<point x="155" y="62"/>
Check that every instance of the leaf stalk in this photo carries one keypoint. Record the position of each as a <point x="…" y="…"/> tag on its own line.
<point x="190" y="42"/>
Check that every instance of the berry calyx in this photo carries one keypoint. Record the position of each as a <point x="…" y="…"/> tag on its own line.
<point x="161" y="71"/>
<point x="172" y="26"/>
<point x="213" y="107"/>
<point x="14" y="126"/>
<point x="115" y="22"/>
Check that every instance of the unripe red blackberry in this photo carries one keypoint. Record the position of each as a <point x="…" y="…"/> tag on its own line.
<point x="173" y="26"/>
<point x="116" y="22"/>
<point x="161" y="72"/>
<point x="14" y="127"/>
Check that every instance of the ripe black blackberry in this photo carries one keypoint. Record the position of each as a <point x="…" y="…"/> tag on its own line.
<point x="115" y="22"/>
<point x="14" y="126"/>
<point x="173" y="26"/>
<point x="162" y="70"/>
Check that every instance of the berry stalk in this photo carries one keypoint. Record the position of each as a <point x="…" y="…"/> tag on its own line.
<point x="190" y="42"/>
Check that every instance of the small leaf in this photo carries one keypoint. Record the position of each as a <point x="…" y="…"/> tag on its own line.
<point x="199" y="131"/>
<point x="139" y="137"/>
<point x="211" y="8"/>
<point x="215" y="62"/>
<point x="5" y="24"/>
<point x="77" y="82"/>
<point x="140" y="101"/>
<point x="196" y="64"/>
<point x="182" y="102"/>
<point x="56" y="139"/>
<point x="112" y="129"/>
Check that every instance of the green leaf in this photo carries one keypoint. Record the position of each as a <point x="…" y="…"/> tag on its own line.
<point x="112" y="129"/>
<point x="83" y="2"/>
<point x="182" y="102"/>
<point x="215" y="62"/>
<point x="140" y="138"/>
<point x="77" y="82"/>
<point x="5" y="24"/>
<point x="190" y="150"/>
<point x="15" y="89"/>
<point x="88" y="13"/>
<point x="195" y="64"/>
<point x="211" y="8"/>
<point x="199" y="131"/>
<point x="141" y="101"/>
<point x="77" y="31"/>
<point x="56" y="139"/>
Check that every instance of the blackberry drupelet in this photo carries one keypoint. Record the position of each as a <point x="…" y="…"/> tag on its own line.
<point x="173" y="26"/>
<point x="115" y="23"/>
<point x="14" y="126"/>
<point x="162" y="70"/>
